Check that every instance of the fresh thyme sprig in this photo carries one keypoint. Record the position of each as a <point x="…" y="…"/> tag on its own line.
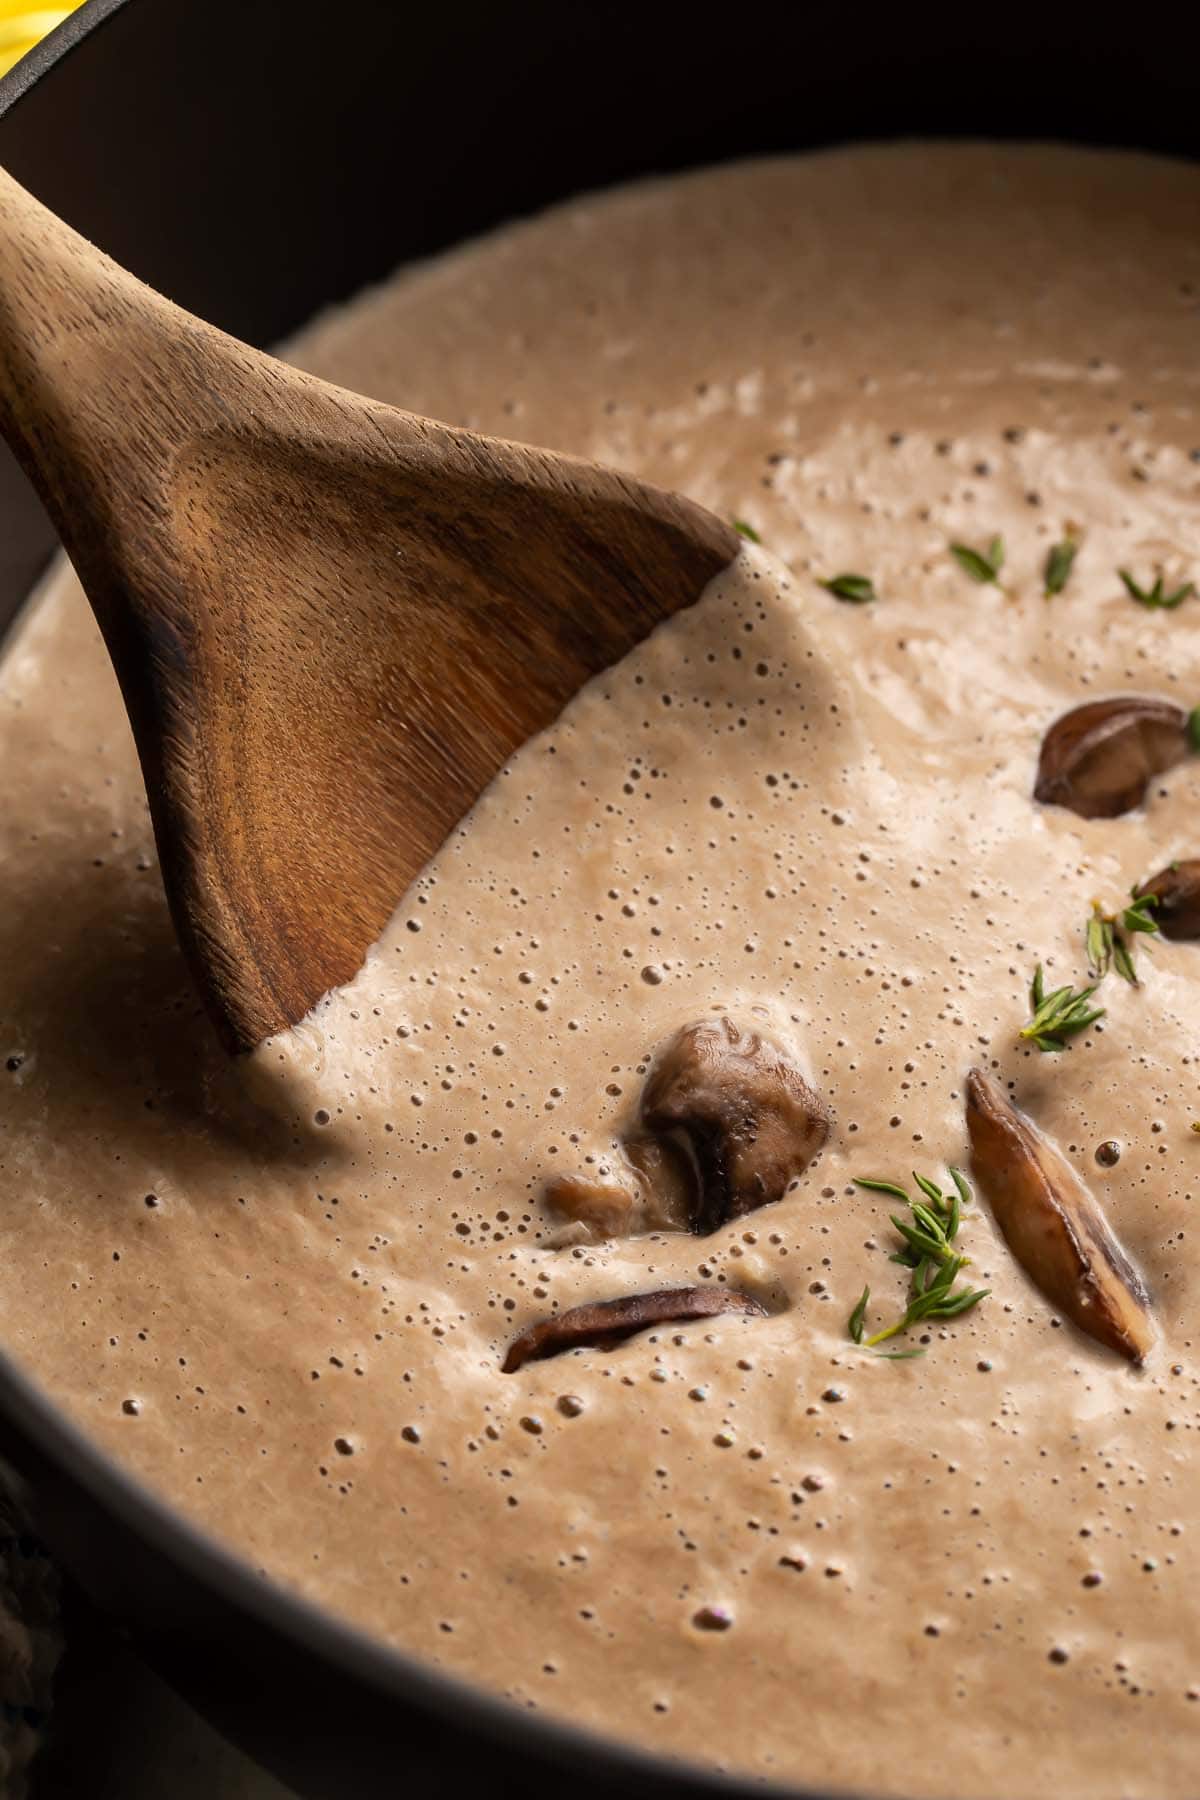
<point x="1138" y="917"/>
<point x="1157" y="596"/>
<point x="1059" y="562"/>
<point x="1109" y="936"/>
<point x="981" y="565"/>
<point x="746" y="530"/>
<point x="1058" y="1015"/>
<point x="927" y="1248"/>
<point x="858" y="589"/>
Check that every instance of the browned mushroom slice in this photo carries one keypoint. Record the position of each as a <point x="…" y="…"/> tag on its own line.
<point x="664" y="1170"/>
<point x="646" y="1186"/>
<point x="599" y="1324"/>
<point x="1098" y="759"/>
<point x="599" y="1206"/>
<point x="1177" y="890"/>
<point x="749" y="1119"/>
<point x="1053" y="1225"/>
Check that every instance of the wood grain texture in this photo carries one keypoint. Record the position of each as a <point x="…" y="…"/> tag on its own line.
<point x="332" y="620"/>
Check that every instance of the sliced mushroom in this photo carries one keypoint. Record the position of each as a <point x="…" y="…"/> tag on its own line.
<point x="1098" y="759"/>
<point x="599" y="1205"/>
<point x="647" y="1186"/>
<point x="665" y="1173"/>
<point x="601" y="1324"/>
<point x="728" y="1121"/>
<point x="1053" y="1224"/>
<point x="1177" y="890"/>
<point x="749" y="1119"/>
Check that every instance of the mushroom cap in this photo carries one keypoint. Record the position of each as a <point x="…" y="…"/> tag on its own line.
<point x="1053" y="1223"/>
<point x="1177" y="891"/>
<point x="750" y="1120"/>
<point x="1098" y="759"/>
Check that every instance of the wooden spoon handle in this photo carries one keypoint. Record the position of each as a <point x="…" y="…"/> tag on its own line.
<point x="67" y="350"/>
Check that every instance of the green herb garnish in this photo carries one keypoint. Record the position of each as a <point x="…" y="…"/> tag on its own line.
<point x="1109" y="936"/>
<point x="1138" y="916"/>
<point x="856" y="588"/>
<point x="746" y="530"/>
<point x="1193" y="728"/>
<point x="927" y="1241"/>
<point x="1059" y="563"/>
<point x="1058" y="1015"/>
<point x="1098" y="935"/>
<point x="980" y="565"/>
<point x="1157" y="596"/>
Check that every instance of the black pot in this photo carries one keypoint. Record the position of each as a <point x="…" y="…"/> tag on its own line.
<point x="254" y="170"/>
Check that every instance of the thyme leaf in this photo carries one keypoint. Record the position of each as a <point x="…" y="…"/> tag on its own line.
<point x="1123" y="962"/>
<point x="1109" y="936"/>
<point x="1139" y="916"/>
<point x="746" y="530"/>
<point x="1058" y="1015"/>
<point x="1059" y="562"/>
<point x="927" y="1251"/>
<point x="1157" y="596"/>
<point x="858" y="589"/>
<point x="881" y="1187"/>
<point x="1099" y="937"/>
<point x="981" y="565"/>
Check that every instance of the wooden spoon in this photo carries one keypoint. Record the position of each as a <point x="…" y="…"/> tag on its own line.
<point x="332" y="621"/>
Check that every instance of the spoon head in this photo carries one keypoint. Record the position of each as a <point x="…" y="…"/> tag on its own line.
<point x="364" y="616"/>
<point x="332" y="621"/>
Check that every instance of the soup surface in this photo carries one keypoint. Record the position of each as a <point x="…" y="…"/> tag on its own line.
<point x="282" y="1292"/>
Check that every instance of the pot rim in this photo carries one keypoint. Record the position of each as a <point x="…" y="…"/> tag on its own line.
<point x="453" y="1699"/>
<point x="52" y="48"/>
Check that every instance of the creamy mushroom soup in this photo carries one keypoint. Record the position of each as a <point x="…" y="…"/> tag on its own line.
<point x="523" y="1305"/>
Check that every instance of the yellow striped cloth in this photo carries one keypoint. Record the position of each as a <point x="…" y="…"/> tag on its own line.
<point x="21" y="26"/>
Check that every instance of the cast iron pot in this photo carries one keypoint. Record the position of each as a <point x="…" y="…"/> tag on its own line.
<point x="254" y="169"/>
